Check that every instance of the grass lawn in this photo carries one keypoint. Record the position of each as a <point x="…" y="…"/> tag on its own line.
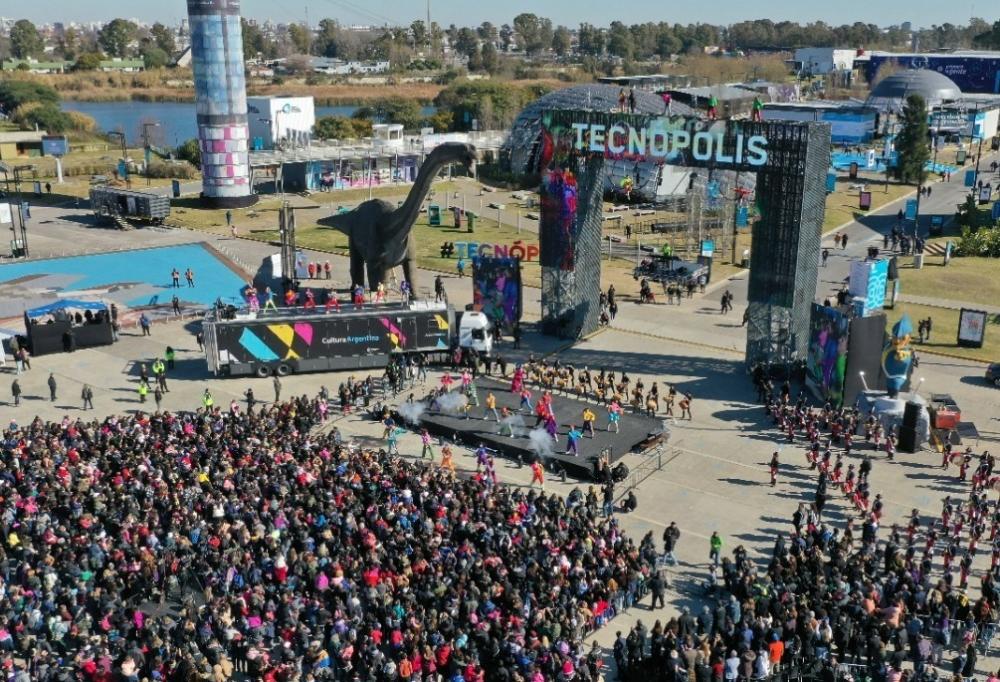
<point x="965" y="280"/>
<point x="429" y="240"/>
<point x="945" y="331"/>
<point x="842" y="204"/>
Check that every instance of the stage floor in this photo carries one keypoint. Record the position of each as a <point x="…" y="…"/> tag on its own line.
<point x="634" y="430"/>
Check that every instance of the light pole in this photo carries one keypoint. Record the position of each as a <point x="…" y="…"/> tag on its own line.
<point x="145" y="143"/>
<point x="937" y="133"/>
<point x="121" y="136"/>
<point x="6" y="170"/>
<point x="16" y="172"/>
<point x="979" y="153"/>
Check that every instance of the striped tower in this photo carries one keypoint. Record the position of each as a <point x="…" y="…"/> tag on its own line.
<point x="220" y="88"/>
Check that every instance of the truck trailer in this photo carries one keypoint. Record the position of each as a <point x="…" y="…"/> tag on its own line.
<point x="313" y="340"/>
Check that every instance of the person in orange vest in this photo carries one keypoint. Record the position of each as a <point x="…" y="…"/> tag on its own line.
<point x="290" y="297"/>
<point x="537" y="474"/>
<point x="446" y="460"/>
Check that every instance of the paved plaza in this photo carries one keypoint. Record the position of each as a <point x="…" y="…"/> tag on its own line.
<point x="714" y="476"/>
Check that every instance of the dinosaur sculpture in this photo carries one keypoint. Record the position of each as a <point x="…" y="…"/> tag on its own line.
<point x="380" y="235"/>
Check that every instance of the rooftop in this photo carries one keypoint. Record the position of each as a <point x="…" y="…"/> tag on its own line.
<point x="22" y="136"/>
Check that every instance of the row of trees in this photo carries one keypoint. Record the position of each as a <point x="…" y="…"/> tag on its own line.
<point x="118" y="38"/>
<point x="534" y="34"/>
<point x="528" y="32"/>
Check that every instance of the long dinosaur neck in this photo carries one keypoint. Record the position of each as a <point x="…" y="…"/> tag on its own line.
<point x="407" y="214"/>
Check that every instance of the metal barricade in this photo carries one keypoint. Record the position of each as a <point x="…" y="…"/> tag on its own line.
<point x="984" y="640"/>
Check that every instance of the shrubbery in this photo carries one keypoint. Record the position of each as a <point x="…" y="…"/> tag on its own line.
<point x="983" y="242"/>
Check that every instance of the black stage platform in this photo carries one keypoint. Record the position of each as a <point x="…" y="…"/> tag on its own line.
<point x="636" y="433"/>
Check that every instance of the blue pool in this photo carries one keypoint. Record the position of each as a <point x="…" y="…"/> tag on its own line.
<point x="145" y="274"/>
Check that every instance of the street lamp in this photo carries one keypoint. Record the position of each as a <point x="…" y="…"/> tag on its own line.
<point x="121" y="136"/>
<point x="979" y="154"/>
<point x="16" y="172"/>
<point x="145" y="143"/>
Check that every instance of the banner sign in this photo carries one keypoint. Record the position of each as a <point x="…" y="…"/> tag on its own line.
<point x="55" y="145"/>
<point x="664" y="138"/>
<point x="971" y="328"/>
<point x="985" y="192"/>
<point x="911" y="209"/>
<point x="519" y="250"/>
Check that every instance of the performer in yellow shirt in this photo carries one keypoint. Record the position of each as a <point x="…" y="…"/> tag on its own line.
<point x="588" y="421"/>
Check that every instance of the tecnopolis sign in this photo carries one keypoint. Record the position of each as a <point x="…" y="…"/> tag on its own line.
<point x="790" y="160"/>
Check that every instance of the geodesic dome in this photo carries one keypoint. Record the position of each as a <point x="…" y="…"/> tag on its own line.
<point x="890" y="94"/>
<point x="521" y="147"/>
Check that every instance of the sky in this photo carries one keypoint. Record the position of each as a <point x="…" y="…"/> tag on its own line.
<point x="922" y="13"/>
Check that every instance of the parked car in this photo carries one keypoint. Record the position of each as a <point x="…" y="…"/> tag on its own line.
<point x="993" y="374"/>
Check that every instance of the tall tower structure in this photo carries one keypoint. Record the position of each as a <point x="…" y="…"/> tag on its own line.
<point x="221" y="92"/>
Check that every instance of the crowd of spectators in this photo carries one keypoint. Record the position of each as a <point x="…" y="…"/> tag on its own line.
<point x="826" y="605"/>
<point x="227" y="543"/>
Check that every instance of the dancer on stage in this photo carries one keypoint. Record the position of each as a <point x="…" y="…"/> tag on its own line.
<point x="614" y="416"/>
<point x="573" y="441"/>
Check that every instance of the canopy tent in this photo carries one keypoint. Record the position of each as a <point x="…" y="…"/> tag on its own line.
<point x="63" y="304"/>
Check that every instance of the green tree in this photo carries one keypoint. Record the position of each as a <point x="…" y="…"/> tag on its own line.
<point x="667" y="43"/>
<point x="535" y="32"/>
<point x="190" y="151"/>
<point x="506" y="35"/>
<point x="88" y="61"/>
<point x="989" y="40"/>
<point x="562" y="41"/>
<point x="488" y="32"/>
<point x="418" y="30"/>
<point x="163" y="37"/>
<point x="116" y="36"/>
<point x="591" y="40"/>
<point x="300" y="37"/>
<point x="441" y="121"/>
<point x="15" y="93"/>
<point x="404" y="111"/>
<point x="48" y="117"/>
<point x="255" y="43"/>
<point x="69" y="43"/>
<point x="619" y="40"/>
<point x="489" y="59"/>
<point x="492" y="103"/>
<point x="153" y="57"/>
<point x="334" y="42"/>
<point x="466" y="42"/>
<point x="25" y="40"/>
<point x="913" y="142"/>
<point x="341" y="128"/>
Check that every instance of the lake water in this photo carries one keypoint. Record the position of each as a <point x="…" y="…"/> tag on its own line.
<point x="177" y="119"/>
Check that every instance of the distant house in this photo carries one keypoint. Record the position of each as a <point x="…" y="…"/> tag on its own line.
<point x="123" y="65"/>
<point x="35" y="66"/>
<point x="339" y="67"/>
<point x="183" y="58"/>
<point x="21" y="144"/>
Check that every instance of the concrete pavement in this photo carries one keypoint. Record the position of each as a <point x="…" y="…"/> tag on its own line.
<point x="715" y="475"/>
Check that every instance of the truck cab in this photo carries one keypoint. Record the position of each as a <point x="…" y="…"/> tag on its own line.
<point x="474" y="332"/>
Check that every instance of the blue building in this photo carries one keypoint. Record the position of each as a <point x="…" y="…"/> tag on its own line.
<point x="973" y="72"/>
<point x="850" y="123"/>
